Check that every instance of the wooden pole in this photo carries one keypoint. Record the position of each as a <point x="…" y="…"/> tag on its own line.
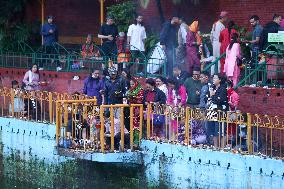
<point x="102" y="11"/>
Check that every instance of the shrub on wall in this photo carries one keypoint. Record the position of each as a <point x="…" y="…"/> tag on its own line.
<point x="123" y="13"/>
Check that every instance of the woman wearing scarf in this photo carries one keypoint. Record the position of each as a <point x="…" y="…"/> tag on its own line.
<point x="135" y="96"/>
<point x="192" y="46"/>
<point x="88" y="47"/>
<point x="31" y="79"/>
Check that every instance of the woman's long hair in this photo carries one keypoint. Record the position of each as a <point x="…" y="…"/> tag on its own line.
<point x="231" y="24"/>
<point x="234" y="39"/>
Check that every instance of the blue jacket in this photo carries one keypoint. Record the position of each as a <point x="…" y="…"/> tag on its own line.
<point x="204" y="95"/>
<point x="168" y="35"/>
<point x="115" y="91"/>
<point x="92" y="88"/>
<point x="49" y="38"/>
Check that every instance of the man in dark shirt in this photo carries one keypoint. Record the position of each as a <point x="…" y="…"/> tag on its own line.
<point x="168" y="41"/>
<point x="271" y="27"/>
<point x="193" y="87"/>
<point x="108" y="34"/>
<point x="49" y="33"/>
<point x="115" y="88"/>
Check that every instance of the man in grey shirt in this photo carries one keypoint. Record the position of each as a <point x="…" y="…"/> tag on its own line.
<point x="256" y="34"/>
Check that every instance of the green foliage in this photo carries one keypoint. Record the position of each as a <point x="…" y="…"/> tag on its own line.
<point x="123" y="13"/>
<point x="151" y="41"/>
<point x="12" y="28"/>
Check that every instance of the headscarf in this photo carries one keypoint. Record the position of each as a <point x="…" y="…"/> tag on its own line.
<point x="194" y="26"/>
<point x="133" y="91"/>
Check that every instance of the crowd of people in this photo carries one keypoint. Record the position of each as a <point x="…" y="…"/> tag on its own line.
<point x="186" y="84"/>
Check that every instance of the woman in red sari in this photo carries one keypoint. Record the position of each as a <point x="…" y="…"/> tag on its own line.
<point x="225" y="39"/>
<point x="135" y="96"/>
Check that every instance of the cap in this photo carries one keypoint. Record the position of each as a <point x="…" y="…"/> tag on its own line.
<point x="50" y="17"/>
<point x="112" y="70"/>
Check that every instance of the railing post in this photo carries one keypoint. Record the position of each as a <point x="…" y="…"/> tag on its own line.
<point x="131" y="126"/>
<point x="122" y="128"/>
<point x="50" y="107"/>
<point x="187" y="115"/>
<point x="148" y="120"/>
<point x="249" y="142"/>
<point x="57" y="123"/>
<point x="111" y="129"/>
<point x="141" y="123"/>
<point x="13" y="102"/>
<point x="102" y="129"/>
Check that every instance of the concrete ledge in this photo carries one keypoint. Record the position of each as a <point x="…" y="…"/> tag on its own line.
<point x="30" y="128"/>
<point x="120" y="157"/>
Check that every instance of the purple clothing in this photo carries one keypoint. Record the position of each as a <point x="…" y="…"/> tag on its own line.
<point x="191" y="52"/>
<point x="92" y="87"/>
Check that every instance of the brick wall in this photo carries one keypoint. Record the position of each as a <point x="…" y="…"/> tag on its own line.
<point x="76" y="18"/>
<point x="205" y="12"/>
<point x="241" y="10"/>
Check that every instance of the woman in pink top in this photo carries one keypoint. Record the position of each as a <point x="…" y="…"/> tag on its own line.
<point x="176" y="97"/>
<point x="233" y="52"/>
<point x="31" y="79"/>
<point x="225" y="39"/>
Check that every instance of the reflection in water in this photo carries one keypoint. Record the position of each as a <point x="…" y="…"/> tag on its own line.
<point x="21" y="168"/>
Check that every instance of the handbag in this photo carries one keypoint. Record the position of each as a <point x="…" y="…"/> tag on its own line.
<point x="239" y="61"/>
<point x="211" y="114"/>
<point x="158" y="119"/>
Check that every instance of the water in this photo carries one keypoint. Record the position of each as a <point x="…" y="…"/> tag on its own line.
<point x="21" y="167"/>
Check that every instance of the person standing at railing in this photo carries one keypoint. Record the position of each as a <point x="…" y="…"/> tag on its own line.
<point x="117" y="132"/>
<point x="115" y="89"/>
<point x="108" y="34"/>
<point x="193" y="87"/>
<point x="192" y="46"/>
<point x="94" y="86"/>
<point x="31" y="79"/>
<point x="154" y="95"/>
<point x="233" y="101"/>
<point x="204" y="92"/>
<point x="176" y="99"/>
<point x="225" y="38"/>
<point x="19" y="105"/>
<point x="218" y="101"/>
<point x="161" y="83"/>
<point x="168" y="41"/>
<point x="49" y="32"/>
<point x="136" y="37"/>
<point x="233" y="56"/>
<point x="135" y="96"/>
<point x="215" y="34"/>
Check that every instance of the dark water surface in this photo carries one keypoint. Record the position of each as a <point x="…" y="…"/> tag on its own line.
<point x="21" y="168"/>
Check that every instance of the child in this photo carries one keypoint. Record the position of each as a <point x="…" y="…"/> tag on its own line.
<point x="123" y="51"/>
<point x="18" y="102"/>
<point x="117" y="132"/>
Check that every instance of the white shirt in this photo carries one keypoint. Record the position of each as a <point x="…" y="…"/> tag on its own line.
<point x="137" y="34"/>
<point x="216" y="30"/>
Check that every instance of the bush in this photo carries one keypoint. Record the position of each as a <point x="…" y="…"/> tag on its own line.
<point x="123" y="13"/>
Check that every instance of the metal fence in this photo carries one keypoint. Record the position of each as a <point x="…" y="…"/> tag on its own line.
<point x="72" y="61"/>
<point x="32" y="105"/>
